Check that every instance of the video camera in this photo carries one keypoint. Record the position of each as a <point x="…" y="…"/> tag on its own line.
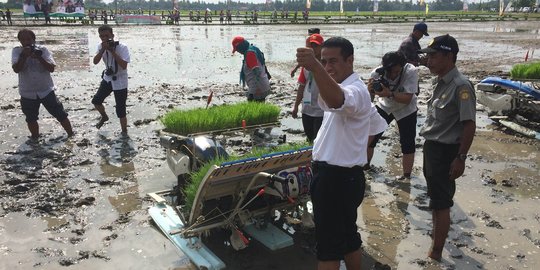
<point x="379" y="80"/>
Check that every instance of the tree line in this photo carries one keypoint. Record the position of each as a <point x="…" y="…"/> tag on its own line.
<point x="291" y="5"/>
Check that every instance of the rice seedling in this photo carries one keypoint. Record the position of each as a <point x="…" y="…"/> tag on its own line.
<point x="526" y="71"/>
<point x="196" y="177"/>
<point x="219" y="117"/>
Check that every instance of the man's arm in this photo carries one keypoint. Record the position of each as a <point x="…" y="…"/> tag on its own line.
<point x="329" y="90"/>
<point x="458" y="166"/>
<point x="99" y="55"/>
<point x="298" y="100"/>
<point x="17" y="67"/>
<point x="121" y="62"/>
<point x="48" y="66"/>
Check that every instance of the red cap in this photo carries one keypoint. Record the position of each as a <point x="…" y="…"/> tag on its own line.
<point x="236" y="41"/>
<point x="316" y="38"/>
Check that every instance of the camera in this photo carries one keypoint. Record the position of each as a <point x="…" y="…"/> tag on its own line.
<point x="378" y="79"/>
<point x="109" y="71"/>
<point x="112" y="43"/>
<point x="35" y="51"/>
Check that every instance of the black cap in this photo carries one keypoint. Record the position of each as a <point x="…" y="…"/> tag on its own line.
<point x="422" y="27"/>
<point x="445" y="43"/>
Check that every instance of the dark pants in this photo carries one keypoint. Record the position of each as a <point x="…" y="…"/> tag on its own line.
<point x="311" y="126"/>
<point x="30" y="107"/>
<point x="336" y="194"/>
<point x="407" y="131"/>
<point x="120" y="97"/>
<point x="437" y="159"/>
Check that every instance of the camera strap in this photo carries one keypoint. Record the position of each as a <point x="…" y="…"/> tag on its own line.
<point x="399" y="80"/>
<point x="110" y="63"/>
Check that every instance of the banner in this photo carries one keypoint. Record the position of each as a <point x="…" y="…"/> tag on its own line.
<point x="341" y="6"/>
<point x="308" y="4"/>
<point x="53" y="8"/>
<point x="375" y="6"/>
<point x="427" y="9"/>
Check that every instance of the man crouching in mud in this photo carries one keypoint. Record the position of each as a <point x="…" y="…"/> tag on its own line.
<point x="449" y="131"/>
<point x="114" y="78"/>
<point x="34" y="64"/>
<point x="339" y="152"/>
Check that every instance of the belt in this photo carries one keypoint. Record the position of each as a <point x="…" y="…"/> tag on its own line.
<point x="316" y="163"/>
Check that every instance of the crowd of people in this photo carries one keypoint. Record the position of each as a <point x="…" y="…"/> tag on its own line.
<point x="345" y="119"/>
<point x="343" y="116"/>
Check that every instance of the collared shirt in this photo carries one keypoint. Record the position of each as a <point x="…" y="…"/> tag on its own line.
<point x="452" y="102"/>
<point x="121" y="74"/>
<point x="342" y="138"/>
<point x="406" y="82"/>
<point x="35" y="80"/>
<point x="409" y="47"/>
<point x="310" y="103"/>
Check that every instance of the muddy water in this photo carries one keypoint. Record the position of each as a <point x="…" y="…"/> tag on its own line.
<point x="80" y="202"/>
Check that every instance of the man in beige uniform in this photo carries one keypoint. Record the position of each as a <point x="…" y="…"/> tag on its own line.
<point x="449" y="131"/>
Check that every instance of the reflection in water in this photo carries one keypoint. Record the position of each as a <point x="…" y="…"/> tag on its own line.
<point x="127" y="202"/>
<point x="117" y="155"/>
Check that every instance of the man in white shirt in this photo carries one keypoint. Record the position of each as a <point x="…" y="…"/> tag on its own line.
<point x="339" y="152"/>
<point x="115" y="56"/>
<point x="34" y="65"/>
<point x="396" y="100"/>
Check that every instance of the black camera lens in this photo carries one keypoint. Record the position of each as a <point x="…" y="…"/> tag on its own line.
<point x="377" y="87"/>
<point x="38" y="52"/>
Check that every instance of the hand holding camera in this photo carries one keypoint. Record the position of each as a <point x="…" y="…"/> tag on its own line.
<point x="378" y="80"/>
<point x="110" y="44"/>
<point x="31" y="51"/>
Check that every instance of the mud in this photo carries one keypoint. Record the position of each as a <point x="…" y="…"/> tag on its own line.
<point x="80" y="202"/>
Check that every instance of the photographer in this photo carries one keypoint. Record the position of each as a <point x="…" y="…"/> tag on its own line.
<point x="395" y="84"/>
<point x="34" y="64"/>
<point x="115" y="56"/>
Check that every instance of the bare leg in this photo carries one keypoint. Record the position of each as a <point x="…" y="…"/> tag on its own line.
<point x="353" y="260"/>
<point x="67" y="127"/>
<point x="441" y="226"/>
<point x="34" y="129"/>
<point x="407" y="162"/>
<point x="123" y="124"/>
<point x="104" y="118"/>
<point x="328" y="265"/>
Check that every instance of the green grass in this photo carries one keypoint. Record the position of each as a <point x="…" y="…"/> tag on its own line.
<point x="526" y="71"/>
<point x="196" y="178"/>
<point x="219" y="117"/>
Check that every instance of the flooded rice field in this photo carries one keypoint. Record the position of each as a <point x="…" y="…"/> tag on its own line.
<point x="81" y="203"/>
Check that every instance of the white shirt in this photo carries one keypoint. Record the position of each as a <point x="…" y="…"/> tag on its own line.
<point x="406" y="82"/>
<point x="121" y="81"/>
<point x="34" y="80"/>
<point x="377" y="124"/>
<point x="343" y="136"/>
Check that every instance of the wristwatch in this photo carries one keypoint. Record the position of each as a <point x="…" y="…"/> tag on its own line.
<point x="462" y="157"/>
